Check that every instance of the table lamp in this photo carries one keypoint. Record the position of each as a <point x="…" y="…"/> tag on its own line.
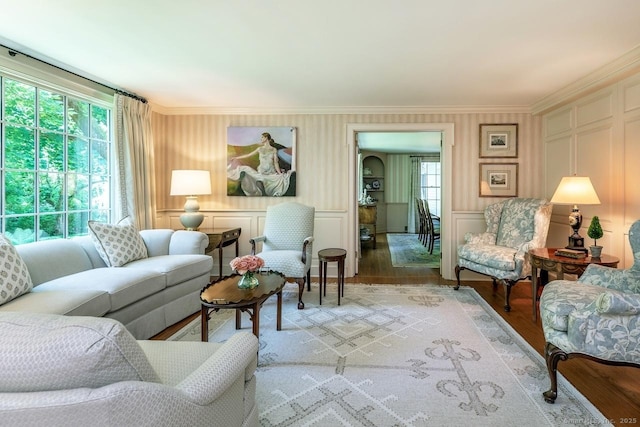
<point x="190" y="183"/>
<point x="574" y="190"/>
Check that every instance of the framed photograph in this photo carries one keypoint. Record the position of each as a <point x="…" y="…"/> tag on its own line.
<point x="498" y="179"/>
<point x="499" y="141"/>
<point x="261" y="161"/>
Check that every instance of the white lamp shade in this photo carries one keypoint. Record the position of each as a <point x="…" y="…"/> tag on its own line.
<point x="190" y="182"/>
<point x="575" y="190"/>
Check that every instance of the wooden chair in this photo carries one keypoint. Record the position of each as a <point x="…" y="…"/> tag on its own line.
<point x="432" y="232"/>
<point x="422" y="222"/>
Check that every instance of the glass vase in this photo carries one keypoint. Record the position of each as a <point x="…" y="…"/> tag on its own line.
<point x="248" y="281"/>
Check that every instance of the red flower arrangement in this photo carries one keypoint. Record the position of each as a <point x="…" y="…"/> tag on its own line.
<point x="246" y="263"/>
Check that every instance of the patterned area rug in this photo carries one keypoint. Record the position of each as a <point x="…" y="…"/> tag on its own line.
<point x="390" y="355"/>
<point x="407" y="251"/>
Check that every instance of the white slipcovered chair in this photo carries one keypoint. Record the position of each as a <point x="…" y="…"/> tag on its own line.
<point x="596" y="317"/>
<point x="287" y="242"/>
<point x="58" y="370"/>
<point x="514" y="226"/>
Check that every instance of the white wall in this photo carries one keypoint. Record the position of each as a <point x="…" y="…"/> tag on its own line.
<point x="598" y="135"/>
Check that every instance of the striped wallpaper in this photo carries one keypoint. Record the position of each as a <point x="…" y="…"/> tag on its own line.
<point x="198" y="141"/>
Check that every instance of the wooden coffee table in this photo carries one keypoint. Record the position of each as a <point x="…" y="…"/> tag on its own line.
<point x="224" y="293"/>
<point x="546" y="260"/>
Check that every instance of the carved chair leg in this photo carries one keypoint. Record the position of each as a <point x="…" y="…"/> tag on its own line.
<point x="458" y="269"/>
<point x="309" y="280"/>
<point x="553" y="355"/>
<point x="494" y="284"/>
<point x="507" y="293"/>
<point x="300" y="283"/>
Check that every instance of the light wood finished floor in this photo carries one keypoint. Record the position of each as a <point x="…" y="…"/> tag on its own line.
<point x="615" y="391"/>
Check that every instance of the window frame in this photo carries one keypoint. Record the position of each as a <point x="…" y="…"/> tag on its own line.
<point x="71" y="92"/>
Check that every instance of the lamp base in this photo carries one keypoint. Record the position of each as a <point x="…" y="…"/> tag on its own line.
<point x="576" y="243"/>
<point x="191" y="220"/>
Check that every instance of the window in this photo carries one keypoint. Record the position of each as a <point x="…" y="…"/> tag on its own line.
<point x="55" y="162"/>
<point x="430" y="184"/>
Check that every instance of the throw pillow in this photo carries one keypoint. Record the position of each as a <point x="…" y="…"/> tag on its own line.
<point x="42" y="352"/>
<point x="14" y="275"/>
<point x="117" y="244"/>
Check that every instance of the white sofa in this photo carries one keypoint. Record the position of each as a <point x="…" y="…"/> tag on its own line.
<point x="87" y="371"/>
<point x="147" y="295"/>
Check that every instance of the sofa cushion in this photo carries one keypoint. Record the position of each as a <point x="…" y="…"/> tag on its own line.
<point x="80" y="302"/>
<point x="43" y="352"/>
<point x="15" y="279"/>
<point x="117" y="244"/>
<point x="51" y="259"/>
<point x="124" y="285"/>
<point x="500" y="257"/>
<point x="175" y="268"/>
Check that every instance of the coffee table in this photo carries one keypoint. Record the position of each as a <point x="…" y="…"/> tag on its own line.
<point x="546" y="260"/>
<point x="225" y="294"/>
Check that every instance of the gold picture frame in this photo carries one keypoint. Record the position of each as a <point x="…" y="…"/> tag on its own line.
<point x="499" y="140"/>
<point x="498" y="180"/>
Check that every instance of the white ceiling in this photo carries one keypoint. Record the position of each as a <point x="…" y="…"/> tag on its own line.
<point x="400" y="142"/>
<point x="310" y="55"/>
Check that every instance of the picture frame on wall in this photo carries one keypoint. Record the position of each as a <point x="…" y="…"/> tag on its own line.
<point x="498" y="180"/>
<point x="499" y="140"/>
<point x="261" y="161"/>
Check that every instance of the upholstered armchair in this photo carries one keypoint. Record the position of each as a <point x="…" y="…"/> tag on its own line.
<point x="287" y="242"/>
<point x="596" y="317"/>
<point x="514" y="226"/>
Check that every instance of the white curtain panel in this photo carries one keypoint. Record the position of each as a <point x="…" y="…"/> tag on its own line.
<point x="136" y="188"/>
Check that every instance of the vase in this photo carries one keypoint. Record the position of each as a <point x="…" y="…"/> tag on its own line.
<point x="248" y="281"/>
<point x="596" y="251"/>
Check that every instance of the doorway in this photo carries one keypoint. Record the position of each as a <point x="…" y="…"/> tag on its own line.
<point x="447" y="131"/>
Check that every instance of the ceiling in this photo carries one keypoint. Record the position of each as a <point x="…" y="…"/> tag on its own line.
<point x="400" y="142"/>
<point x="329" y="55"/>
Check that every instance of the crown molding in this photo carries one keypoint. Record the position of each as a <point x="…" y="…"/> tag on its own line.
<point x="608" y="74"/>
<point x="443" y="109"/>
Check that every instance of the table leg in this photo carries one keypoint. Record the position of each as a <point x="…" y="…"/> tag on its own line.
<point x="256" y="320"/>
<point x="320" y="281"/>
<point x="238" y="319"/>
<point x="204" y="324"/>
<point x="220" y="261"/>
<point x="534" y="291"/>
<point x="279" y="312"/>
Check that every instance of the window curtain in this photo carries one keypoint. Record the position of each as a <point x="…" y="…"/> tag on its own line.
<point x="135" y="171"/>
<point x="414" y="192"/>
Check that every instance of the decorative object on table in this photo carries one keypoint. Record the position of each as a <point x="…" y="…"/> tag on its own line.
<point x="261" y="161"/>
<point x="499" y="140"/>
<point x="375" y="185"/>
<point x="247" y="266"/>
<point x="190" y="183"/>
<point x="498" y="180"/>
<point x="574" y="190"/>
<point x="595" y="232"/>
<point x="570" y="253"/>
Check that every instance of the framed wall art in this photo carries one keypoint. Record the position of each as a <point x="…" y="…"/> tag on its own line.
<point x="261" y="161"/>
<point x="499" y="140"/>
<point x="498" y="179"/>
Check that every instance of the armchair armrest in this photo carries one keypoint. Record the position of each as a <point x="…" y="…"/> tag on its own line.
<point x="254" y="241"/>
<point x="222" y="369"/>
<point x="307" y="249"/>
<point x="616" y="302"/>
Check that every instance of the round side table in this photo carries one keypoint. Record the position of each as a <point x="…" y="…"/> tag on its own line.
<point x="328" y="255"/>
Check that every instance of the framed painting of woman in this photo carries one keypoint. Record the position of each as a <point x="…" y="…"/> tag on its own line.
<point x="261" y="161"/>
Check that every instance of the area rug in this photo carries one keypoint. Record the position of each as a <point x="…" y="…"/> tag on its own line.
<point x="407" y="251"/>
<point x="422" y="355"/>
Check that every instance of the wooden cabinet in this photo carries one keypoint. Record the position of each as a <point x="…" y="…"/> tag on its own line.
<point x="368" y="217"/>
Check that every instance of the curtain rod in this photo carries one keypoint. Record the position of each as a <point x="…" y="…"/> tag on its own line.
<point x="14" y="52"/>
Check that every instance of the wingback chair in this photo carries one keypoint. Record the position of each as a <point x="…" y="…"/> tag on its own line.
<point x="514" y="226"/>
<point x="287" y="242"/>
<point x="596" y="317"/>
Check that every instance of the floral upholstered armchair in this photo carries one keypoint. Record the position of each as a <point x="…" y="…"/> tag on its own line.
<point x="287" y="242"/>
<point x="596" y="317"/>
<point x="514" y="226"/>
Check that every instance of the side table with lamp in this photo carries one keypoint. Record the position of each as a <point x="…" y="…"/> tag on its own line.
<point x="191" y="183"/>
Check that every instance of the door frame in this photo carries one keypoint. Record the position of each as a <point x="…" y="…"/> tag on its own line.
<point x="446" y="161"/>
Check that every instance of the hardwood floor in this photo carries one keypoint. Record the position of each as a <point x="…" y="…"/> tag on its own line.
<point x="615" y="391"/>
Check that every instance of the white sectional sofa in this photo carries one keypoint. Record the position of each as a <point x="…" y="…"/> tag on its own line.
<point x="146" y="295"/>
